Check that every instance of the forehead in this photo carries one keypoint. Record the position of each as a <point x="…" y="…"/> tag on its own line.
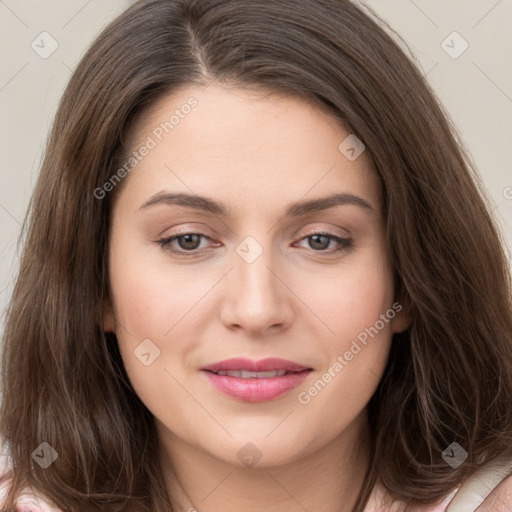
<point x="244" y="144"/>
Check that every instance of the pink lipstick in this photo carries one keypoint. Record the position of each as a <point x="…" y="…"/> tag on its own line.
<point x="255" y="381"/>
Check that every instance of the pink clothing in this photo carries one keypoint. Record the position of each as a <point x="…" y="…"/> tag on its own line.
<point x="32" y="502"/>
<point x="378" y="494"/>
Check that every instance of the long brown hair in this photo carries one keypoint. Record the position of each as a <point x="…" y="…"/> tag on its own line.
<point x="448" y="377"/>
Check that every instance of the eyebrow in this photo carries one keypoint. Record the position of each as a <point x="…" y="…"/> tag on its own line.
<point x="296" y="209"/>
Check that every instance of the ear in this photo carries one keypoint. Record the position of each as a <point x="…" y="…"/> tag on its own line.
<point x="108" y="318"/>
<point x="401" y="321"/>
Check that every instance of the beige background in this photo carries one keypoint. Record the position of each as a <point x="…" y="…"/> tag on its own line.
<point x="475" y="87"/>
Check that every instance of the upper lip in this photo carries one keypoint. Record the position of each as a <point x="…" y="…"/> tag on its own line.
<point x="263" y="365"/>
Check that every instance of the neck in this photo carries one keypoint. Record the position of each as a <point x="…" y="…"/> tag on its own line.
<point x="328" y="479"/>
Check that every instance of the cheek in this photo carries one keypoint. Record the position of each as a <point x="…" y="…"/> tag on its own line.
<point x="150" y="296"/>
<point x="155" y="322"/>
<point x="355" y="306"/>
<point x="351" y="299"/>
<point x="163" y="303"/>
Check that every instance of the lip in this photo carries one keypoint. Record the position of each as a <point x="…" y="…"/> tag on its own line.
<point x="263" y="365"/>
<point x="254" y="389"/>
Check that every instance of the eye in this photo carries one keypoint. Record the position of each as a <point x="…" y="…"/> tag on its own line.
<point x="318" y="242"/>
<point x="189" y="243"/>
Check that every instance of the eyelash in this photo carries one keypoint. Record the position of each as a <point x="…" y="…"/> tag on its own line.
<point x="165" y="243"/>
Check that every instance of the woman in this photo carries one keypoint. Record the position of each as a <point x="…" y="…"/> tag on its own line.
<point x="254" y="367"/>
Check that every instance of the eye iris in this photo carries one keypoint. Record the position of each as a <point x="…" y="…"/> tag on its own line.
<point x="314" y="239"/>
<point x="189" y="242"/>
<point x="188" y="237"/>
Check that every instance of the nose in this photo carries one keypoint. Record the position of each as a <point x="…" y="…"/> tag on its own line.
<point x="258" y="299"/>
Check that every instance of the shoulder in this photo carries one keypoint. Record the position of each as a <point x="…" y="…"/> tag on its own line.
<point x="380" y="501"/>
<point x="500" y="498"/>
<point x="489" y="489"/>
<point x="28" y="501"/>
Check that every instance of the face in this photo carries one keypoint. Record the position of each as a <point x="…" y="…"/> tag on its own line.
<point x="221" y="248"/>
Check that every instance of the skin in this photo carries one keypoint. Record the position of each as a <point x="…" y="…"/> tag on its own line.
<point x="500" y="499"/>
<point x="298" y="300"/>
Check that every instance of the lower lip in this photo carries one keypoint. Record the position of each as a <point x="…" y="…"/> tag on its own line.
<point x="254" y="389"/>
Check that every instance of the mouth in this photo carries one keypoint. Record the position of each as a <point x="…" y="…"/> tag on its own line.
<point x="243" y="374"/>
<point x="255" y="381"/>
<point x="270" y="364"/>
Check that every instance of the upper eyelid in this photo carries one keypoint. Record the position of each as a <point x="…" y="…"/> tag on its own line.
<point x="300" y="236"/>
<point x="341" y="232"/>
